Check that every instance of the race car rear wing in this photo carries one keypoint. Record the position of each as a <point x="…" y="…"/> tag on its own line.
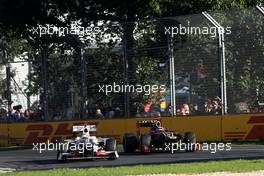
<point x="80" y="128"/>
<point x="149" y="123"/>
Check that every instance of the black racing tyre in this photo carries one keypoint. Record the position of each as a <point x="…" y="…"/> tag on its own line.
<point x="114" y="157"/>
<point x="129" y="143"/>
<point x="110" y="144"/>
<point x="145" y="139"/>
<point x="63" y="159"/>
<point x="159" y="139"/>
<point x="190" y="141"/>
<point x="111" y="158"/>
<point x="59" y="140"/>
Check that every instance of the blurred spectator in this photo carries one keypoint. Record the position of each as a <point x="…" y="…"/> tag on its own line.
<point x="207" y="106"/>
<point x="28" y="114"/>
<point x="257" y="109"/>
<point x="162" y="105"/>
<point x="57" y="116"/>
<point x="99" y="114"/>
<point x="3" y="114"/>
<point x="216" y="105"/>
<point x="148" y="107"/>
<point x="117" y="112"/>
<point x="242" y="107"/>
<point x="15" y="116"/>
<point x="195" y="110"/>
<point x="184" y="110"/>
<point x="22" y="117"/>
<point x="110" y="113"/>
<point x="155" y="114"/>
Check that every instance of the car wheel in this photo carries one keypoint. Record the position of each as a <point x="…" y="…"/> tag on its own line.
<point x="129" y="143"/>
<point x="112" y="158"/>
<point x="110" y="144"/>
<point x="61" y="158"/>
<point x="190" y="141"/>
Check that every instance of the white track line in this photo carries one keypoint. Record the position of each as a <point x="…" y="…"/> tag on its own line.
<point x="5" y="170"/>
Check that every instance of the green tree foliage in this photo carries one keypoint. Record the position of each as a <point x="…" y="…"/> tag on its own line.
<point x="144" y="41"/>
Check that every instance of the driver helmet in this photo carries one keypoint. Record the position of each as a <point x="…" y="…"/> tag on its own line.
<point x="86" y="132"/>
<point x="159" y="129"/>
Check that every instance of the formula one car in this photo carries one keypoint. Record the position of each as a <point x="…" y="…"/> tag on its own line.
<point x="85" y="146"/>
<point x="156" y="139"/>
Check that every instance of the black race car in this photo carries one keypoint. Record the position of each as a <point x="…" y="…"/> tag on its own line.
<point x="156" y="138"/>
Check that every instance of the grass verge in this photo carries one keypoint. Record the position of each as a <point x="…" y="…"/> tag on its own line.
<point x="199" y="167"/>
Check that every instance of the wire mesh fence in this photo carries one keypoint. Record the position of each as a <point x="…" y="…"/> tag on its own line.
<point x="244" y="59"/>
<point x="161" y="67"/>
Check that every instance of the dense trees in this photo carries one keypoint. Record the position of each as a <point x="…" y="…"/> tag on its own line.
<point x="126" y="20"/>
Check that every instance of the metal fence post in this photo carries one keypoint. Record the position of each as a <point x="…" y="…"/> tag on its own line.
<point x="126" y="82"/>
<point x="29" y="83"/>
<point x="172" y="75"/>
<point x="45" y="82"/>
<point x="83" y="84"/>
<point x="260" y="8"/>
<point x="223" y="72"/>
<point x="8" y="84"/>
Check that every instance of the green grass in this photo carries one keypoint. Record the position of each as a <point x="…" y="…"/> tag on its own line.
<point x="200" y="167"/>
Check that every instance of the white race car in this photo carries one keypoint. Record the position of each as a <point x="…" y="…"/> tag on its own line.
<point x="85" y="146"/>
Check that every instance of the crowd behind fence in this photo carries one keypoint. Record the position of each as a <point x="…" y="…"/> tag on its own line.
<point x="163" y="67"/>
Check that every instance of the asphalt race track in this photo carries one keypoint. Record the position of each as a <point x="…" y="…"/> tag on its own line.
<point x="27" y="159"/>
